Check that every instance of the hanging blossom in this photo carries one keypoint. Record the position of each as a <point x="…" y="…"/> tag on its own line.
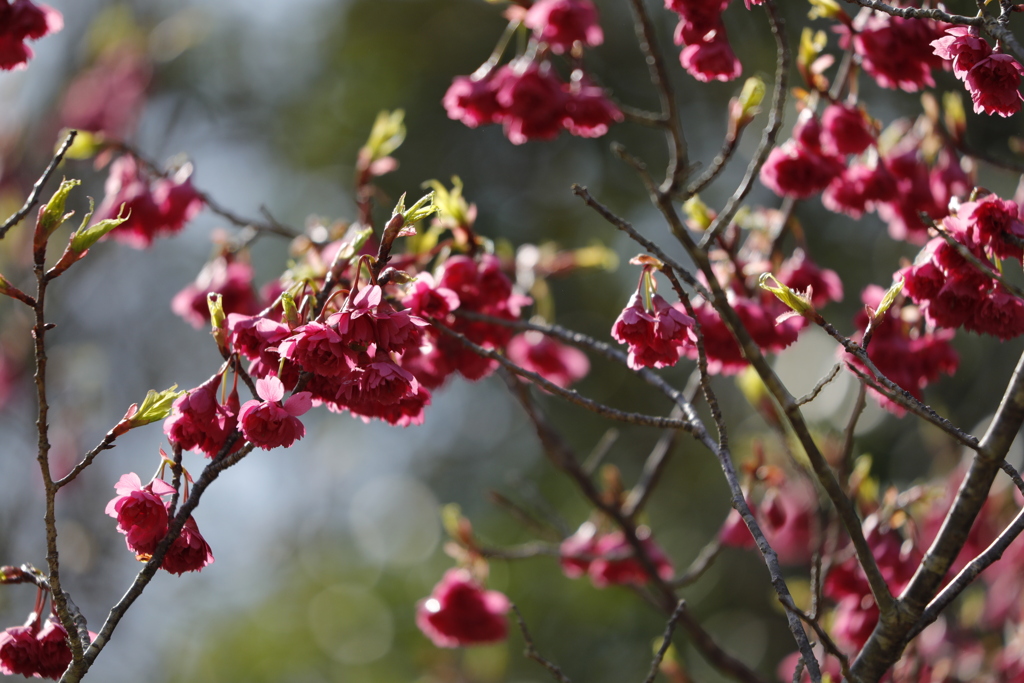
<point x="23" y="20"/>
<point x="38" y="649"/>
<point x="223" y="275"/>
<point x="991" y="78"/>
<point x="459" y="612"/>
<point x="559" y="364"/>
<point x="801" y="167"/>
<point x="706" y="53"/>
<point x="896" y="52"/>
<point x="907" y="352"/>
<point x="561" y="23"/>
<point x="154" y="209"/>
<point x="142" y="516"/>
<point x="608" y="558"/>
<point x="199" y="422"/>
<point x="272" y="424"/>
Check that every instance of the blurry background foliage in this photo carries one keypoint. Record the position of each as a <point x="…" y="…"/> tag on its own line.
<point x="323" y="550"/>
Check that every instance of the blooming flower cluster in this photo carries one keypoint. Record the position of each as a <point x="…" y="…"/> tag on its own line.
<point x="38" y="649"/>
<point x="903" y="349"/>
<point x="657" y="336"/>
<point x="141" y="515"/>
<point x="953" y="292"/>
<point x="991" y="78"/>
<point x="155" y="209"/>
<point x="527" y="96"/>
<point x="706" y="54"/>
<point x="608" y="559"/>
<point x="803" y="166"/>
<point x="896" y="52"/>
<point x="22" y="20"/>
<point x="199" y="422"/>
<point x="460" y="612"/>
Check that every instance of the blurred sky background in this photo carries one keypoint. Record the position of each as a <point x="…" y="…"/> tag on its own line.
<point x="323" y="549"/>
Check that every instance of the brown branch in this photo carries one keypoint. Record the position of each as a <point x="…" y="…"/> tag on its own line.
<point x="889" y="638"/>
<point x="771" y="131"/>
<point x="531" y="650"/>
<point x="666" y="641"/>
<point x="678" y="153"/>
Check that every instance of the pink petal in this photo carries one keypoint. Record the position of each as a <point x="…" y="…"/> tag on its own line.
<point x="270" y="388"/>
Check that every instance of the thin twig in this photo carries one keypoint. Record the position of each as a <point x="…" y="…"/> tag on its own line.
<point x="705" y="558"/>
<point x="822" y="383"/>
<point x="771" y="131"/>
<point x="531" y="650"/>
<point x="826" y="641"/>
<point x="654" y="466"/>
<point x="982" y="267"/>
<point x="666" y="641"/>
<point x="37" y="188"/>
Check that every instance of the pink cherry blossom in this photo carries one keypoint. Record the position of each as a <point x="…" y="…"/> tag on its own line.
<point x="846" y="129"/>
<point x="615" y="563"/>
<point x="656" y="337"/>
<point x="227" y="277"/>
<point x="189" y="552"/>
<point x="270" y="424"/>
<point x="560" y="23"/>
<point x="994" y="85"/>
<point x="140" y="512"/>
<point x="589" y="112"/>
<point x="19" y="651"/>
<point x="23" y="20"/>
<point x="199" y="422"/>
<point x="54" y="653"/>
<point x="471" y="101"/>
<point x="532" y="102"/>
<point x="559" y="364"/>
<point x="964" y="47"/>
<point x="712" y="60"/>
<point x="459" y="612"/>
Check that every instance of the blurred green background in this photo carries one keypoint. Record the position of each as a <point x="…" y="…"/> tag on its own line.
<point x="323" y="550"/>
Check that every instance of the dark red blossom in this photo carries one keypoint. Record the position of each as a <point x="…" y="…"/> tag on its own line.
<point x="154" y="210"/>
<point x="896" y="52"/>
<point x="140" y="512"/>
<point x="532" y="101"/>
<point x="227" y="277"/>
<point x="655" y="337"/>
<point x="23" y="20"/>
<point x="994" y="85"/>
<point x="19" y="651"/>
<point x="471" y="101"/>
<point x="270" y="423"/>
<point x="589" y="112"/>
<point x="199" y="422"/>
<point x="189" y="552"/>
<point x="963" y="47"/>
<point x="794" y="170"/>
<point x="711" y="60"/>
<point x="846" y="129"/>
<point x="459" y="612"/>
<point x="559" y="364"/>
<point x="560" y="23"/>
<point x="616" y="564"/>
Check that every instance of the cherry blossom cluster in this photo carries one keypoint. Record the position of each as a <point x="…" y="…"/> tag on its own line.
<point x="903" y="348"/>
<point x="39" y="649"/>
<point x="954" y="292"/>
<point x="153" y="209"/>
<point x="895" y="51"/>
<point x="22" y="20"/>
<point x="655" y="332"/>
<point x="991" y="78"/>
<point x="706" y="54"/>
<point x="527" y="96"/>
<point x="608" y="558"/>
<point x="460" y="612"/>
<point x="768" y="320"/>
<point x="142" y="516"/>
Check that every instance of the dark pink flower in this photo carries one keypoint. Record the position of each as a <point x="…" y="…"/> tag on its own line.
<point x="426" y="299"/>
<point x="846" y="129"/>
<point x="140" y="512"/>
<point x="698" y="19"/>
<point x="560" y="23"/>
<point x="793" y="170"/>
<point x="532" y="101"/>
<point x="318" y="348"/>
<point x="712" y="60"/>
<point x="107" y="97"/>
<point x="23" y="20"/>
<point x="189" y="552"/>
<point x="231" y="279"/>
<point x="199" y="422"/>
<point x="577" y="551"/>
<point x="270" y="424"/>
<point x="964" y="47"/>
<point x="54" y="653"/>
<point x="615" y="563"/>
<point x="656" y="337"/>
<point x="896" y="52"/>
<point x="858" y="189"/>
<point x="471" y="101"/>
<point x="459" y="612"/>
<point x="559" y="364"/>
<point x="370" y="325"/>
<point x="380" y="383"/>
<point x="253" y="336"/>
<point x="153" y="211"/>
<point x="588" y="112"/>
<point x="19" y="651"/>
<point x="994" y="85"/>
<point x="801" y="274"/>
